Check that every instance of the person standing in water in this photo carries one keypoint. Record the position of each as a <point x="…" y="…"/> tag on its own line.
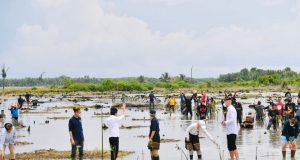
<point x="154" y="137"/>
<point x="76" y="134"/>
<point x="27" y="97"/>
<point x="272" y="114"/>
<point x="188" y="104"/>
<point x="8" y="139"/>
<point x="151" y="99"/>
<point x="192" y="138"/>
<point x="113" y="123"/>
<point x="239" y="111"/>
<point x="280" y="108"/>
<point x="289" y="136"/>
<point x="231" y="128"/>
<point x="20" y="101"/>
<point x="172" y="104"/>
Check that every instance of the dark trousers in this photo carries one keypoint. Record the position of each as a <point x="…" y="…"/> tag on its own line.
<point x="78" y="144"/>
<point x="272" y="122"/>
<point x="151" y="105"/>
<point x="114" y="145"/>
<point x="239" y="119"/>
<point x="189" y="110"/>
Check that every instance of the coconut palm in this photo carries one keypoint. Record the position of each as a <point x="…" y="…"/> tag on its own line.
<point x="165" y="77"/>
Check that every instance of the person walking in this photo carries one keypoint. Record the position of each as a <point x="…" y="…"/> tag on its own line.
<point x="171" y="104"/>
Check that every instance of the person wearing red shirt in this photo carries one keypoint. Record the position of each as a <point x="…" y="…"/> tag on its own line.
<point x="280" y="108"/>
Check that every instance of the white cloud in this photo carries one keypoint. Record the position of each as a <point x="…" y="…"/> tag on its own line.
<point x="81" y="38"/>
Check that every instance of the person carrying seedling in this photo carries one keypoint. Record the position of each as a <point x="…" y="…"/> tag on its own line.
<point x="154" y="137"/>
<point x="172" y="104"/>
<point x="192" y="137"/>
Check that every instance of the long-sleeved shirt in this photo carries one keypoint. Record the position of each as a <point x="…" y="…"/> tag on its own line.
<point x="7" y="137"/>
<point x="113" y="123"/>
<point x="231" y="122"/>
<point x="194" y="130"/>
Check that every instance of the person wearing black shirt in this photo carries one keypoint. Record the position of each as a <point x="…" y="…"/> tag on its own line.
<point x="272" y="114"/>
<point x="239" y="111"/>
<point x="188" y="104"/>
<point x="27" y="97"/>
<point x="76" y="134"/>
<point x="154" y="137"/>
<point x="289" y="136"/>
<point x="20" y="102"/>
<point x="151" y="98"/>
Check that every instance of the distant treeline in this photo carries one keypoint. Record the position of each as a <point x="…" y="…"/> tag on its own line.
<point x="245" y="78"/>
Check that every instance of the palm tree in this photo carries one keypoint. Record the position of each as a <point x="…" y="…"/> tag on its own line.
<point x="4" y="75"/>
<point x="141" y="79"/>
<point x="181" y="77"/>
<point x="165" y="77"/>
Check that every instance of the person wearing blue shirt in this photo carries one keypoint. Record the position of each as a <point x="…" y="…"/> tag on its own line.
<point x="151" y="98"/>
<point x="154" y="137"/>
<point x="14" y="110"/>
<point x="289" y="136"/>
<point x="76" y="134"/>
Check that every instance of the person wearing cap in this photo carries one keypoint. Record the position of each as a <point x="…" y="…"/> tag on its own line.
<point x="289" y="136"/>
<point x="231" y="128"/>
<point x="76" y="133"/>
<point x="8" y="139"/>
<point x="192" y="137"/>
<point x="113" y="124"/>
<point x="154" y="137"/>
<point x="14" y="110"/>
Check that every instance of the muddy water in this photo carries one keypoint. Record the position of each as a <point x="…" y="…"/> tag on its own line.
<point x="55" y="134"/>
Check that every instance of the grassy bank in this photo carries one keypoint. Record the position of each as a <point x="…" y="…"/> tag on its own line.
<point x="53" y="154"/>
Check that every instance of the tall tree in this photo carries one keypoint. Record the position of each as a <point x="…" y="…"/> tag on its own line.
<point x="165" y="77"/>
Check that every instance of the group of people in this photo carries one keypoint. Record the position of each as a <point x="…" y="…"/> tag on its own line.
<point x="113" y="123"/>
<point x="8" y="133"/>
<point x="286" y="114"/>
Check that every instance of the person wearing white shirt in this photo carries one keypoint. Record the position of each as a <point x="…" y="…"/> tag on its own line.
<point x="192" y="138"/>
<point x="231" y="128"/>
<point x="113" y="124"/>
<point x="7" y="139"/>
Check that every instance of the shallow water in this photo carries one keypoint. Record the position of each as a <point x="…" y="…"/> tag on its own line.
<point x="55" y="135"/>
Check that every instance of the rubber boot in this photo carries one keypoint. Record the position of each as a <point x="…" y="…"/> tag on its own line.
<point x="283" y="154"/>
<point x="199" y="157"/>
<point x="191" y="157"/>
<point x="293" y="152"/>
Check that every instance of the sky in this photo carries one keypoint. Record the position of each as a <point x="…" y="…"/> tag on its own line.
<point x="126" y="38"/>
